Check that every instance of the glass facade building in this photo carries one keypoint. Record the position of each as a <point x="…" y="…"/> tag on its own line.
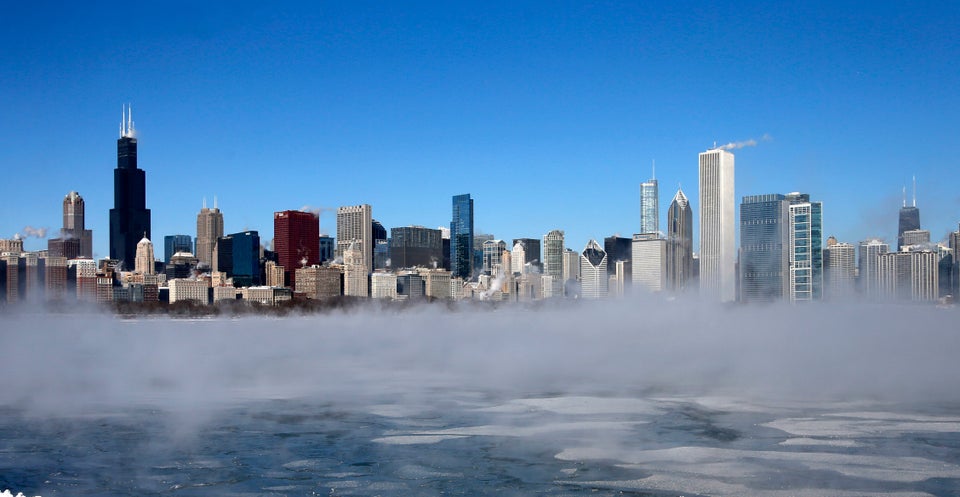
<point x="649" y="207"/>
<point x="764" y="243"/>
<point x="176" y="243"/>
<point x="129" y="217"/>
<point x="461" y="237"/>
<point x="806" y="248"/>
<point x="413" y="246"/>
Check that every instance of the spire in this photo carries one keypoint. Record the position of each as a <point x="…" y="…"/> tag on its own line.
<point x="914" y="191"/>
<point x="204" y="203"/>
<point x="653" y="172"/>
<point x="904" y="196"/>
<point x="214" y="201"/>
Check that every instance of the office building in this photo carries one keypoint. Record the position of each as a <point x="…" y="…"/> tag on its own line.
<point x="415" y="246"/>
<point x="12" y="245"/>
<point x="839" y="261"/>
<point x="911" y="238"/>
<point x="355" y="226"/>
<point x="909" y="218"/>
<point x="63" y="247"/>
<point x="238" y="255"/>
<point x="354" y="271"/>
<point x="594" y="280"/>
<point x="553" y="263"/>
<point x="74" y="219"/>
<point x="383" y="285"/>
<point x="717" y="226"/>
<point x="436" y="283"/>
<point x="618" y="249"/>
<point x="176" y="243"/>
<point x="648" y="271"/>
<point x="193" y="290"/>
<point x="319" y="282"/>
<point x="461" y="237"/>
<point x="679" y="243"/>
<point x="492" y="255"/>
<point x="649" y="207"/>
<point x="518" y="258"/>
<point x="296" y="240"/>
<point x="209" y="229"/>
<point x="911" y="275"/>
<point x="764" y="248"/>
<point x="410" y="286"/>
<point x="954" y="245"/>
<point x="144" y="259"/>
<point x="531" y="251"/>
<point x="328" y="248"/>
<point x="378" y="234"/>
<point x="129" y="217"/>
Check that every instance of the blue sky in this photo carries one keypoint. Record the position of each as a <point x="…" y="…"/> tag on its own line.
<point x="549" y="114"/>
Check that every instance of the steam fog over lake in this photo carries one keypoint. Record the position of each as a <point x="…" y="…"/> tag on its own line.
<point x="668" y="398"/>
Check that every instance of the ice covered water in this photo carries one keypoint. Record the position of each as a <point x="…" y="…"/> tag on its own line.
<point x="566" y="402"/>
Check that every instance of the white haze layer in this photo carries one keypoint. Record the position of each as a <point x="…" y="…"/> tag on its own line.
<point x="63" y="364"/>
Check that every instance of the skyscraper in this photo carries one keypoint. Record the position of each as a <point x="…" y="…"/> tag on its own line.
<point x="531" y="249"/>
<point x="717" y="228"/>
<point x="129" y="217"/>
<point x="144" y="259"/>
<point x="649" y="206"/>
<point x="764" y="248"/>
<point x="594" y="280"/>
<point x="909" y="216"/>
<point x="518" y="258"/>
<point x="209" y="228"/>
<point x="806" y="248"/>
<point x="176" y="243"/>
<point x="679" y="242"/>
<point x="839" y="261"/>
<point x="869" y="267"/>
<point x="73" y="223"/>
<point x="355" y="225"/>
<point x="492" y="255"/>
<point x="296" y="240"/>
<point x="553" y="262"/>
<point x="412" y="246"/>
<point x="649" y="265"/>
<point x="461" y="237"/>
<point x="618" y="249"/>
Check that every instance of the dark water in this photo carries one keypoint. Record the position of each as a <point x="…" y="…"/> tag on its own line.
<point x="474" y="444"/>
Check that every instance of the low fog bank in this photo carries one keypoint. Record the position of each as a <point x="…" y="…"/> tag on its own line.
<point x="63" y="364"/>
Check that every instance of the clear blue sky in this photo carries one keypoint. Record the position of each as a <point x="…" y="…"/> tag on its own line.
<point x="549" y="114"/>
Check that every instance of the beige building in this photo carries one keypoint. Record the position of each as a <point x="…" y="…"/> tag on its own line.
<point x="355" y="225"/>
<point x="355" y="272"/>
<point x="209" y="228"/>
<point x="274" y="274"/>
<point x="184" y="289"/>
<point x="383" y="285"/>
<point x="319" y="282"/>
<point x="144" y="262"/>
<point x="436" y="283"/>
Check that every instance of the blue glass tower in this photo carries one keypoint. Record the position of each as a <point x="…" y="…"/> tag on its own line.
<point x="246" y="258"/>
<point x="176" y="243"/>
<point x="764" y="246"/>
<point x="461" y="237"/>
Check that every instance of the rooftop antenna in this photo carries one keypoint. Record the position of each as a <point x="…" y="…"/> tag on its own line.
<point x="654" y="169"/>
<point x="914" y="191"/>
<point x="204" y="202"/>
<point x="129" y="118"/>
<point x="904" y="196"/>
<point x="123" y="117"/>
<point x="214" y="201"/>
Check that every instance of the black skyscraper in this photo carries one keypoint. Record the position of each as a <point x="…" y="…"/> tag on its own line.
<point x="129" y="218"/>
<point x="909" y="216"/>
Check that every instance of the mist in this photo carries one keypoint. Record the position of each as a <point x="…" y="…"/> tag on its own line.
<point x="62" y="364"/>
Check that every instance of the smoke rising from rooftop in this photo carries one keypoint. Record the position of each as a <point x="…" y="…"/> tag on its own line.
<point x="745" y="143"/>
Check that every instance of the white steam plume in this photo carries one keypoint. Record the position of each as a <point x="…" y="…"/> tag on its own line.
<point x="29" y="231"/>
<point x="745" y="143"/>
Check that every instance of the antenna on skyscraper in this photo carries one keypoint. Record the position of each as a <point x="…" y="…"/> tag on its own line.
<point x="654" y="169"/>
<point x="204" y="202"/>
<point x="129" y="118"/>
<point x="904" y="196"/>
<point x="914" y="191"/>
<point x="214" y="201"/>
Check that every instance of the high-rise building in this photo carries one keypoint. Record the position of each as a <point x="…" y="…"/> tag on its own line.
<point x="144" y="259"/>
<point x="129" y="217"/>
<point x="618" y="249"/>
<point x="679" y="243"/>
<point x="909" y="216"/>
<point x="355" y="225"/>
<point x="354" y="271"/>
<point x="869" y="267"/>
<point x="594" y="280"/>
<point x="954" y="244"/>
<point x="764" y="248"/>
<point x="717" y="229"/>
<point x="296" y="240"/>
<point x="531" y="250"/>
<point x="73" y="223"/>
<point x="553" y="263"/>
<point x="383" y="285"/>
<point x="911" y="238"/>
<point x="839" y="263"/>
<point x="518" y="258"/>
<point x="492" y="255"/>
<point x="327" y="248"/>
<point x="238" y="255"/>
<point x="413" y="246"/>
<point x="209" y="229"/>
<point x="649" y="206"/>
<point x="806" y="248"/>
<point x="176" y="243"/>
<point x="461" y="237"/>
<point x="909" y="275"/>
<point x="649" y="264"/>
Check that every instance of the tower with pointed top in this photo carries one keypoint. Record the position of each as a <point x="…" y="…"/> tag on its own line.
<point x="209" y="229"/>
<point x="129" y="217"/>
<point x="909" y="215"/>
<point x="679" y="242"/>
<point x="649" y="205"/>
<point x="144" y="262"/>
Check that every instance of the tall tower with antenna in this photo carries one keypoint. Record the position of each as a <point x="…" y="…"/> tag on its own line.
<point x="129" y="217"/>
<point x="909" y="215"/>
<point x="649" y="203"/>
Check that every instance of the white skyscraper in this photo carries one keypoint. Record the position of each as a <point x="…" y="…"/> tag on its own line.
<point x="839" y="260"/>
<point x="594" y="280"/>
<point x="519" y="258"/>
<point x="717" y="226"/>
<point x="870" y="252"/>
<point x="649" y="206"/>
<point x="649" y="262"/>
<point x="355" y="225"/>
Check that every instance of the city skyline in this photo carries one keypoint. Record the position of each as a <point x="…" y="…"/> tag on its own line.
<point x="604" y="90"/>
